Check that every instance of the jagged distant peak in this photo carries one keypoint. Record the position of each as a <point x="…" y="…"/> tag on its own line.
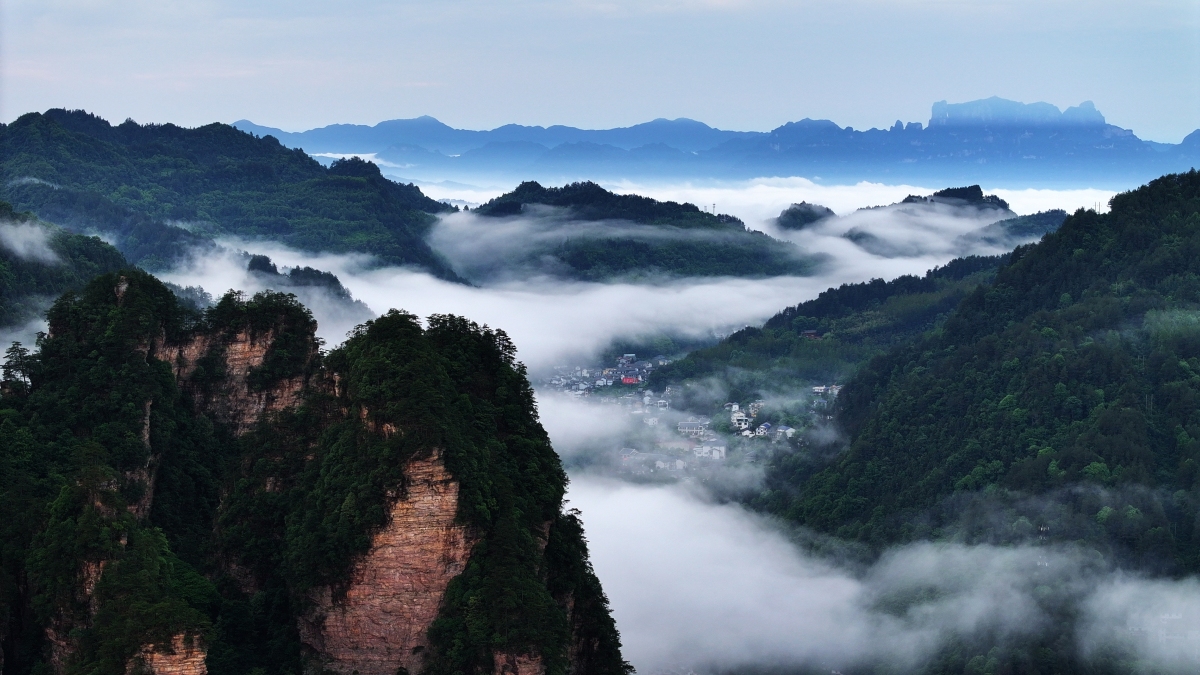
<point x="996" y="110"/>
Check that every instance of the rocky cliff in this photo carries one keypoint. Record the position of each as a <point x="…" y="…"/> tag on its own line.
<point x="229" y="499"/>
<point x="233" y="402"/>
<point x="379" y="621"/>
<point x="183" y="655"/>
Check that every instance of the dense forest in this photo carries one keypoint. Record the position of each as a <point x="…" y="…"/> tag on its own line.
<point x="1060" y="403"/>
<point x="134" y="511"/>
<point x="159" y="190"/>
<point x="668" y="238"/>
<point x="38" y="262"/>
<point x="827" y="338"/>
<point x="1011" y="232"/>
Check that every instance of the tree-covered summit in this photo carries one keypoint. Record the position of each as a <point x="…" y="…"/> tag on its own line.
<point x="589" y="201"/>
<point x="971" y="195"/>
<point x="593" y="234"/>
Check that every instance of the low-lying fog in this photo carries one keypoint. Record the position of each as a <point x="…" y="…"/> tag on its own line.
<point x="698" y="584"/>
<point x="756" y="201"/>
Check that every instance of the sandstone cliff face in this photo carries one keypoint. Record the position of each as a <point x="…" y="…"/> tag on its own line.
<point x="380" y="623"/>
<point x="232" y="402"/>
<point x="517" y="664"/>
<point x="184" y="656"/>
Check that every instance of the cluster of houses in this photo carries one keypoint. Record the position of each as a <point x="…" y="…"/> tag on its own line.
<point x="695" y="446"/>
<point x="743" y="422"/>
<point x="823" y="395"/>
<point x="628" y="370"/>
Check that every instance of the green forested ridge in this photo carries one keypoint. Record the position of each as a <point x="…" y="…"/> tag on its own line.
<point x="589" y="201"/>
<point x="71" y="438"/>
<point x="679" y="239"/>
<point x="1072" y="376"/>
<point x="141" y="182"/>
<point x="28" y="280"/>
<point x="1011" y="232"/>
<point x="826" y="338"/>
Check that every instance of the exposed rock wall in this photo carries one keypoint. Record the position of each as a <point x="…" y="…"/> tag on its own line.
<point x="232" y="401"/>
<point x="380" y="622"/>
<point x="182" y="657"/>
<point x="518" y="664"/>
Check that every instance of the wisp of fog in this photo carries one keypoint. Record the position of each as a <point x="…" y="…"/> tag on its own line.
<point x="28" y="241"/>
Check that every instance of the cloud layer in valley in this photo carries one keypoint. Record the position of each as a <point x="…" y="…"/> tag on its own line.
<point x="554" y="321"/>
<point x="758" y="201"/>
<point x="707" y="586"/>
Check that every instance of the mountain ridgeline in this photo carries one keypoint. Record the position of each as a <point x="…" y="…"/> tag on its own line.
<point x="159" y="191"/>
<point x="603" y="235"/>
<point x="1000" y="141"/>
<point x="210" y="493"/>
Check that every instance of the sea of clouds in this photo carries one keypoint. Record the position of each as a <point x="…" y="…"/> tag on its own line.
<point x="695" y="583"/>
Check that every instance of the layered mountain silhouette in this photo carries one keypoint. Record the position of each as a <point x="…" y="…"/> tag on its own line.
<point x="993" y="140"/>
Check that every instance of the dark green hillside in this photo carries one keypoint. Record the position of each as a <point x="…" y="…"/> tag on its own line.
<point x="589" y="201"/>
<point x="1077" y="367"/>
<point x="29" y="280"/>
<point x="826" y="338"/>
<point x="136" y="180"/>
<point x="113" y="468"/>
<point x="677" y="239"/>
<point x="1012" y="232"/>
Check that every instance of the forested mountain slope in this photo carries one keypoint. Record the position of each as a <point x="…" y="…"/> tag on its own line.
<point x="39" y="261"/>
<point x="1072" y="377"/>
<point x="587" y="232"/>
<point x="209" y="493"/>
<point x="826" y="338"/>
<point x="159" y="189"/>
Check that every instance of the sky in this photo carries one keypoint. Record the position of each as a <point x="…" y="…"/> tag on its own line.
<point x="734" y="64"/>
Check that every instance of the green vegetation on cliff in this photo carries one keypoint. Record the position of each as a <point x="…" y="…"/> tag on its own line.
<point x="452" y="386"/>
<point x="117" y="474"/>
<point x="78" y="420"/>
<point x="159" y="189"/>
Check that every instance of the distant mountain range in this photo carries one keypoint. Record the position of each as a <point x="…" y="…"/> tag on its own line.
<point x="996" y="141"/>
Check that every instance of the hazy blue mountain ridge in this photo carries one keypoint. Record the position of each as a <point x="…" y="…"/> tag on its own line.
<point x="993" y="140"/>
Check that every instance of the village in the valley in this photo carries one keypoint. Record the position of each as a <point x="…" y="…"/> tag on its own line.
<point x="674" y="444"/>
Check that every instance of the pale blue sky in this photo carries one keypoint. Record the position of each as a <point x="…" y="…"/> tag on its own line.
<point x="735" y="64"/>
